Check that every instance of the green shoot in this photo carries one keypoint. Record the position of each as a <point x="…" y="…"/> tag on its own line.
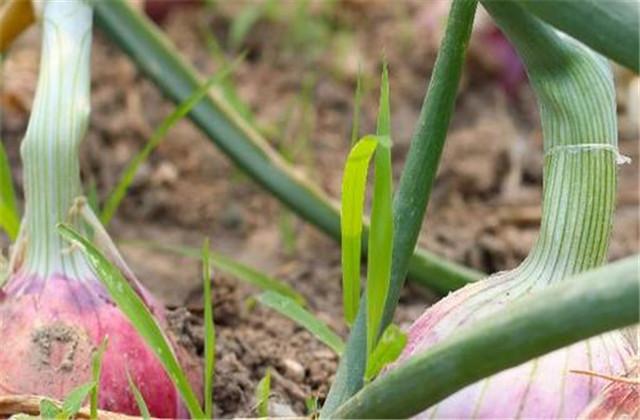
<point x="243" y="22"/>
<point x="311" y="405"/>
<point x="137" y="312"/>
<point x="381" y="231"/>
<point x="287" y="231"/>
<point x="9" y="215"/>
<point x="353" y="190"/>
<point x="227" y="86"/>
<point x="73" y="403"/>
<point x="388" y="349"/>
<point x="292" y="310"/>
<point x="263" y="391"/>
<point x="96" y="368"/>
<point x="209" y="331"/>
<point x="357" y="103"/>
<point x="231" y="267"/>
<point x="119" y="192"/>
<point x="49" y="409"/>
<point x="137" y="395"/>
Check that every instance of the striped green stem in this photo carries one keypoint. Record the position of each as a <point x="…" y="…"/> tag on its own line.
<point x="576" y="97"/>
<point x="50" y="148"/>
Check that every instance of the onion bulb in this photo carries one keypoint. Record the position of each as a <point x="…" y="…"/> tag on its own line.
<point x="54" y="312"/>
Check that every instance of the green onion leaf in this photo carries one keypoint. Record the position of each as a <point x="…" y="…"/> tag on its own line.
<point x="292" y="310"/>
<point x="138" y="314"/>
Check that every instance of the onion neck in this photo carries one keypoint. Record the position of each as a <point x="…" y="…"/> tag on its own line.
<point x="576" y="97"/>
<point x="50" y="147"/>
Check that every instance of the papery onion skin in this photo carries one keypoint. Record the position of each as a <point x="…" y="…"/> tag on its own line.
<point x="541" y="388"/>
<point x="50" y="329"/>
<point x="620" y="399"/>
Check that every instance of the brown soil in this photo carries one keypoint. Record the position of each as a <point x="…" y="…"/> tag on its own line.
<point x="484" y="212"/>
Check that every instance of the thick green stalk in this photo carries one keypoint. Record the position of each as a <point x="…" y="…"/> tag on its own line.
<point x="50" y="147"/>
<point x="153" y="53"/>
<point x="413" y="192"/>
<point x="576" y="97"/>
<point x="610" y="27"/>
<point x="563" y="314"/>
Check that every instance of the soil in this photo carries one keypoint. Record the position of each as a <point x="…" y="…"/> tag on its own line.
<point x="298" y="80"/>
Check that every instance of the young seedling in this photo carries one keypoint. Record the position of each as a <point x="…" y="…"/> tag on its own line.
<point x="209" y="331"/>
<point x="263" y="392"/>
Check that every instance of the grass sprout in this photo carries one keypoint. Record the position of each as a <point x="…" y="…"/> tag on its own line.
<point x="209" y="331"/>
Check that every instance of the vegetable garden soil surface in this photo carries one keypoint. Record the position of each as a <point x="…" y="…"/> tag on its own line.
<point x="485" y="207"/>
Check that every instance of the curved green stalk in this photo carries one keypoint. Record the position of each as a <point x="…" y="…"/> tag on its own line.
<point x="152" y="52"/>
<point x="412" y="195"/>
<point x="563" y="314"/>
<point x="610" y="27"/>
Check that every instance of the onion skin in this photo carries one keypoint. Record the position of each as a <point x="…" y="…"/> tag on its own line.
<point x="541" y="388"/>
<point x="50" y="328"/>
<point x="618" y="400"/>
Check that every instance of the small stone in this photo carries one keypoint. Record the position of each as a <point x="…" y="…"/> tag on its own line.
<point x="293" y="370"/>
<point x="280" y="410"/>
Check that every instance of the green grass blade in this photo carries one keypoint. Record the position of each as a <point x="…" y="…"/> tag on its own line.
<point x="209" y="331"/>
<point x="9" y="214"/>
<point x="227" y="265"/>
<point x="96" y="368"/>
<point x="9" y="222"/>
<point x="263" y="392"/>
<point x="388" y="349"/>
<point x="292" y="310"/>
<point x="137" y="395"/>
<point x="138" y="314"/>
<point x="73" y="402"/>
<point x="241" y="25"/>
<point x="116" y="197"/>
<point x="586" y="305"/>
<point x="381" y="231"/>
<point x="354" y="182"/>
